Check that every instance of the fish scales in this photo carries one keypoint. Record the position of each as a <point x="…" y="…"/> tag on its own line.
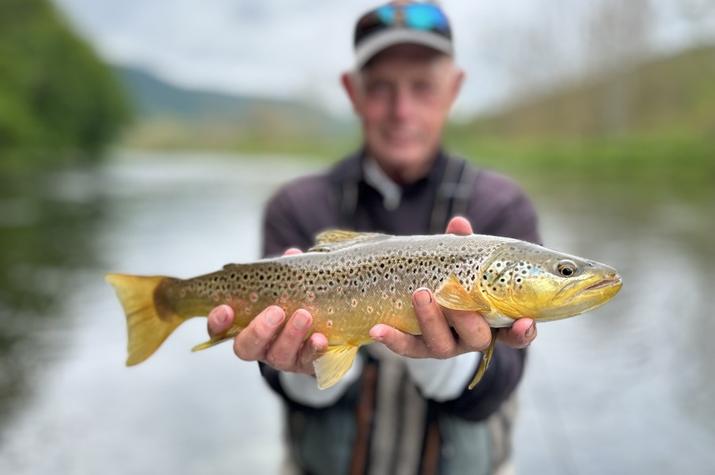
<point x="347" y="291"/>
<point x="351" y="281"/>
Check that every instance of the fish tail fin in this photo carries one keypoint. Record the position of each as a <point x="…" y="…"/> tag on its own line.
<point x="150" y="320"/>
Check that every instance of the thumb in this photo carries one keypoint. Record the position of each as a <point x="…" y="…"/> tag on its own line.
<point x="459" y="225"/>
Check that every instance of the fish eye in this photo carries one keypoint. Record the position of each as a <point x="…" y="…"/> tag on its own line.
<point x="566" y="268"/>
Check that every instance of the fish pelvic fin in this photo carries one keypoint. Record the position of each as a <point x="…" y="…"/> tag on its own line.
<point x="486" y="359"/>
<point x="150" y="320"/>
<point x="333" y="364"/>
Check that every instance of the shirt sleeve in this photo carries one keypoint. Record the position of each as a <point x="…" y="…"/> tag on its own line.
<point x="443" y="380"/>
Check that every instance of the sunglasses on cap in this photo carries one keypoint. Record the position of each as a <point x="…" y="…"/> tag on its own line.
<point x="415" y="16"/>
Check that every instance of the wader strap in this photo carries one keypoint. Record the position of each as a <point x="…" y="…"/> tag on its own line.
<point x="453" y="194"/>
<point x="348" y="195"/>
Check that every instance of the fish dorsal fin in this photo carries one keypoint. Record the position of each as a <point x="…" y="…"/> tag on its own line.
<point x="452" y="294"/>
<point x="236" y="267"/>
<point x="333" y="364"/>
<point x="334" y="239"/>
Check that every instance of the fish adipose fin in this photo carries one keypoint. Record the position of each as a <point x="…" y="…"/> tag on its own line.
<point x="486" y="359"/>
<point x="334" y="239"/>
<point x="333" y="364"/>
<point x="149" y="319"/>
<point x="452" y="294"/>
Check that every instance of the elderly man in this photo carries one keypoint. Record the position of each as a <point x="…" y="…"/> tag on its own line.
<point x="404" y="407"/>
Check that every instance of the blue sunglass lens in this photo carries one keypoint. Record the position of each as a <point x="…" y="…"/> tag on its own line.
<point x="424" y="17"/>
<point x="417" y="16"/>
<point x="386" y="14"/>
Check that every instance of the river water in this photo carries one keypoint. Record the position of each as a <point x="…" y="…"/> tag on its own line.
<point x="629" y="388"/>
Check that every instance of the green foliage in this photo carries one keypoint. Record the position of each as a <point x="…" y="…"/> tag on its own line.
<point x="638" y="158"/>
<point x="652" y="119"/>
<point x="672" y="95"/>
<point x="56" y="96"/>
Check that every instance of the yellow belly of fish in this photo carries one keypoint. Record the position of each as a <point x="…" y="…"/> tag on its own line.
<point x="349" y="321"/>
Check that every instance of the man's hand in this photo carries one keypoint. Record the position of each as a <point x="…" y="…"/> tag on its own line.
<point x="266" y="339"/>
<point x="471" y="330"/>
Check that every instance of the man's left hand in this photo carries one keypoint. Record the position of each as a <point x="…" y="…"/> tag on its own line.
<point x="438" y="340"/>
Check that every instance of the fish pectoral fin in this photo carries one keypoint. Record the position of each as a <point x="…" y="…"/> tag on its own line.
<point x="452" y="294"/>
<point x="486" y="359"/>
<point x="334" y="239"/>
<point x="333" y="364"/>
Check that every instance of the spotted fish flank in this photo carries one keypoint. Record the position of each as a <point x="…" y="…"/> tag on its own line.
<point x="352" y="281"/>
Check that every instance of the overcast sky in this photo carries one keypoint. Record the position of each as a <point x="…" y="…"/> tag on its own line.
<point x="297" y="48"/>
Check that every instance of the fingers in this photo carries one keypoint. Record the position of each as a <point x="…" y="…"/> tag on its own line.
<point x="459" y="225"/>
<point x="220" y="320"/>
<point x="253" y="341"/>
<point x="474" y="332"/>
<point x="521" y="333"/>
<point x="436" y="333"/>
<point x="283" y="353"/>
<point x="437" y="339"/>
<point x="311" y="350"/>
<point x="284" y="347"/>
<point x="398" y="342"/>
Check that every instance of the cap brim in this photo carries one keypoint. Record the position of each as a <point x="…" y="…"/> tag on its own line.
<point x="383" y="40"/>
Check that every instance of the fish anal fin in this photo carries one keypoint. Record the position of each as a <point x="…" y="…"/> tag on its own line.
<point x="217" y="339"/>
<point x="485" y="361"/>
<point x="334" y="239"/>
<point x="333" y="364"/>
<point x="452" y="294"/>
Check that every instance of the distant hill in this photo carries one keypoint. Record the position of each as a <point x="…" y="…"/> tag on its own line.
<point x="673" y="96"/>
<point x="155" y="99"/>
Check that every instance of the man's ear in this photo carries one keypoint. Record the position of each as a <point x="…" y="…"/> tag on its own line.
<point x="350" y="84"/>
<point x="456" y="86"/>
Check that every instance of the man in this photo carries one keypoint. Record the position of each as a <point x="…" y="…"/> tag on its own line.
<point x="404" y="406"/>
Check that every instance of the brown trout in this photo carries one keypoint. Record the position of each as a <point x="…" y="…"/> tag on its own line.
<point x="351" y="281"/>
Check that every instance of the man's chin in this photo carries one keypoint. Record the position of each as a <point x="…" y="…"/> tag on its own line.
<point x="405" y="156"/>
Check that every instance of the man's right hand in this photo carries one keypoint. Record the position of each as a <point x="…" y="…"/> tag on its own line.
<point x="267" y="339"/>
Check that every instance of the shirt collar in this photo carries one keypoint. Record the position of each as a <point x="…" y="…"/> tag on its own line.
<point x="352" y="170"/>
<point x="377" y="178"/>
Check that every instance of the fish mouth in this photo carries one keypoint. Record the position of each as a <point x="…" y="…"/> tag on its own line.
<point x="605" y="283"/>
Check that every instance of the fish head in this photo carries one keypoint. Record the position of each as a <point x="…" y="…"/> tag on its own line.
<point x="527" y="280"/>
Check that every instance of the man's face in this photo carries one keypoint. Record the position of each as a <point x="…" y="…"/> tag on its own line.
<point x="403" y="98"/>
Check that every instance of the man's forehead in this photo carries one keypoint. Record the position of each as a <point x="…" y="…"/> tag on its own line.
<point x="412" y="53"/>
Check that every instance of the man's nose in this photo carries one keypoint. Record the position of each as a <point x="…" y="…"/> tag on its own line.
<point x="402" y="104"/>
